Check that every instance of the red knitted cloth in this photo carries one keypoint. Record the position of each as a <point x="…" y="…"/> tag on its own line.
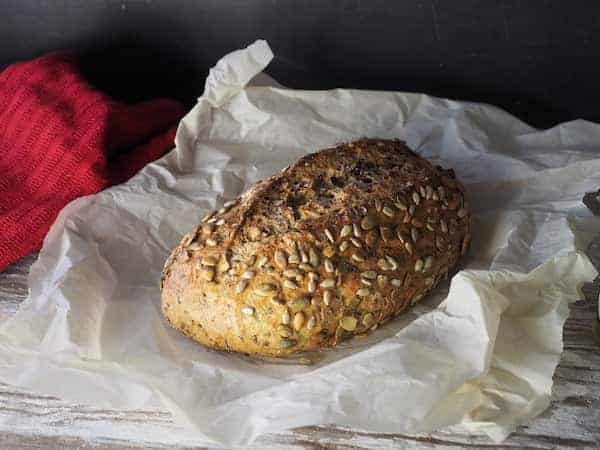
<point x="61" y="139"/>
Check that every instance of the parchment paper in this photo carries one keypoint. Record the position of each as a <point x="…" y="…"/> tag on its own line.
<point x="479" y="357"/>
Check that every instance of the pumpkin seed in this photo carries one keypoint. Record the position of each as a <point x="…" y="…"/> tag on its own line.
<point x="369" y="274"/>
<point x="287" y="343"/>
<point x="363" y="292"/>
<point x="348" y="323"/>
<point x="284" y="331"/>
<point x="368" y="320"/>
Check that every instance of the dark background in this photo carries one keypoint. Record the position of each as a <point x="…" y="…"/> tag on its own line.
<point x="536" y="59"/>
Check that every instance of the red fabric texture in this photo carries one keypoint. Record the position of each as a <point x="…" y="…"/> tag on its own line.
<point x="60" y="139"/>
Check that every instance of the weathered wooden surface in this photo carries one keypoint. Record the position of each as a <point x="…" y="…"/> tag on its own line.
<point x="29" y="420"/>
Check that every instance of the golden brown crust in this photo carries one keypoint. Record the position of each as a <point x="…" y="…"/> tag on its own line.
<point x="330" y="247"/>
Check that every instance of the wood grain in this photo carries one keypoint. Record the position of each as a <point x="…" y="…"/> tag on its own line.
<point x="30" y="420"/>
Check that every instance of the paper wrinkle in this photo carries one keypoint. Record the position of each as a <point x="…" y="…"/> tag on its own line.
<point x="476" y="355"/>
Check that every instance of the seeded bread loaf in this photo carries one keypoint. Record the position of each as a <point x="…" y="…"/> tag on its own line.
<point x="332" y="246"/>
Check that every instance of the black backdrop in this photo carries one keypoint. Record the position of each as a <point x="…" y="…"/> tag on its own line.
<point x="537" y="59"/>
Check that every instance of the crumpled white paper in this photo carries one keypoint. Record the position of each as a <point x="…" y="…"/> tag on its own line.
<point x="91" y="329"/>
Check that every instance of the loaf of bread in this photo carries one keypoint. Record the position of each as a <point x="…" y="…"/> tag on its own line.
<point x="330" y="247"/>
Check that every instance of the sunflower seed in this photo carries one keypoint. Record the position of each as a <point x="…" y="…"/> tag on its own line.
<point x="313" y="257"/>
<point x="292" y="273"/>
<point x="416" y="223"/>
<point x="414" y="235"/>
<point x="384" y="232"/>
<point x="369" y="274"/>
<point x="363" y="292"/>
<point x="208" y="216"/>
<point x="396" y="282"/>
<point x="220" y="222"/>
<point x="356" y="242"/>
<point x="368" y="223"/>
<point x="313" y="276"/>
<point x="303" y="256"/>
<point x="211" y="242"/>
<point x="462" y="212"/>
<point x="357" y="257"/>
<point x="416" y="197"/>
<point x="284" y="331"/>
<point x="412" y="210"/>
<point x="429" y="227"/>
<point x="287" y="343"/>
<point x="209" y="261"/>
<point x="211" y="220"/>
<point x="329" y="235"/>
<point x="439" y="243"/>
<point x="298" y="304"/>
<point x="356" y="231"/>
<point x="229" y="204"/>
<point x="366" y="282"/>
<point x="306" y="267"/>
<point x="289" y="284"/>
<point x="248" y="311"/>
<point x="441" y="192"/>
<point x="382" y="280"/>
<point x="428" y="263"/>
<point x="327" y="296"/>
<point x="368" y="320"/>
<point x="388" y="211"/>
<point x="344" y="245"/>
<point x="222" y="211"/>
<point x="280" y="259"/>
<point x="418" y="265"/>
<point x="241" y="286"/>
<point x="277" y="301"/>
<point x="378" y="205"/>
<point x="348" y="323"/>
<point x="248" y="274"/>
<point x="443" y="226"/>
<point x="409" y="248"/>
<point x="311" y="322"/>
<point x="327" y="283"/>
<point x="422" y="191"/>
<point x="298" y="320"/>
<point x="207" y="274"/>
<point x="262" y="261"/>
<point x="312" y="286"/>
<point x="207" y="229"/>
<point x="401" y="205"/>
<point x="435" y="196"/>
<point x="428" y="192"/>
<point x="264" y="289"/>
<point x="328" y="265"/>
<point x="345" y="231"/>
<point x="383" y="264"/>
<point x="393" y="263"/>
